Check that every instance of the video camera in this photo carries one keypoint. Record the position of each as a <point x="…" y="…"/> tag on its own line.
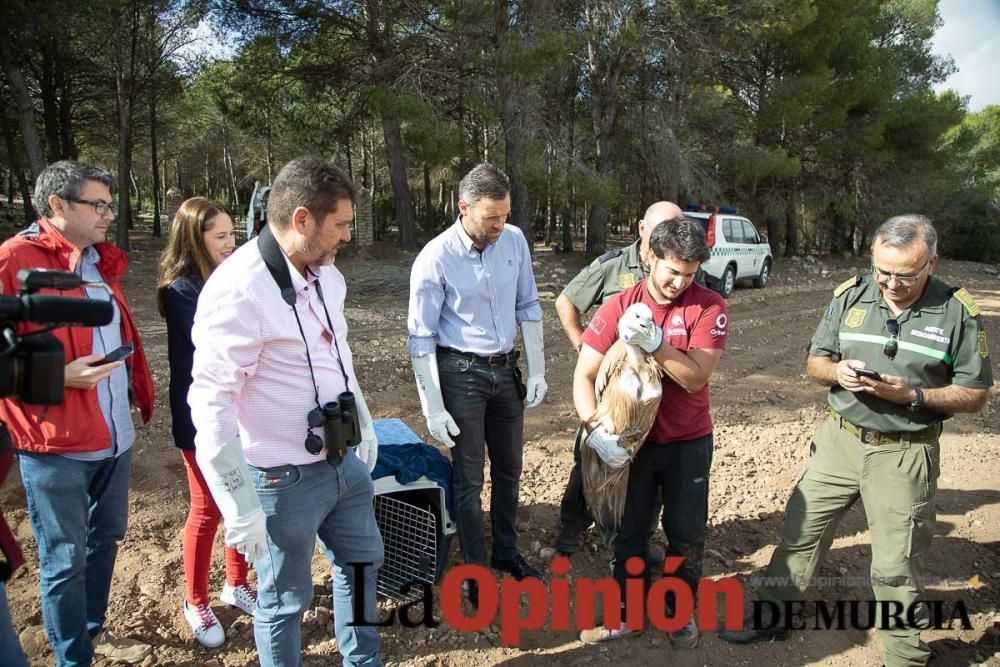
<point x="32" y="364"/>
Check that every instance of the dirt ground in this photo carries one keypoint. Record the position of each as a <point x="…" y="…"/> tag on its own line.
<point x="764" y="408"/>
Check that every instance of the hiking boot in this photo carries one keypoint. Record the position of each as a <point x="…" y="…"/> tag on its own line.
<point x="686" y="637"/>
<point x="750" y="633"/>
<point x="655" y="555"/>
<point x="516" y="567"/>
<point x="120" y="649"/>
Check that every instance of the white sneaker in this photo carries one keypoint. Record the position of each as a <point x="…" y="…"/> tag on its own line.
<point x="602" y="634"/>
<point x="242" y="597"/>
<point x="204" y="625"/>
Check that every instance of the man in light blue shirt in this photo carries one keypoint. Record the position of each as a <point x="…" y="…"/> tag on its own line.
<point x="470" y="288"/>
<point x="112" y="393"/>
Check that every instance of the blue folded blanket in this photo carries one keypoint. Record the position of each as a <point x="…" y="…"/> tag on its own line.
<point x="402" y="454"/>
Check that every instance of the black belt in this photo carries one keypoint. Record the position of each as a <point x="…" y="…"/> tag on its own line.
<point x="499" y="360"/>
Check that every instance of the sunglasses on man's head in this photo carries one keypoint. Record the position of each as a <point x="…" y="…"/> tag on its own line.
<point x="891" y="346"/>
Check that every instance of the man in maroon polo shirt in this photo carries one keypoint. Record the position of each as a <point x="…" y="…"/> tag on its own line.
<point x="686" y="337"/>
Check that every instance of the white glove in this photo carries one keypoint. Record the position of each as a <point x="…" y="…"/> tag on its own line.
<point x="636" y="327"/>
<point x="439" y="422"/>
<point x="607" y="447"/>
<point x="249" y="537"/>
<point x="228" y="479"/>
<point x="367" y="449"/>
<point x="534" y="353"/>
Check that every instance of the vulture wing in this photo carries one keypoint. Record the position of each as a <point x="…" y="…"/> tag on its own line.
<point x="628" y="387"/>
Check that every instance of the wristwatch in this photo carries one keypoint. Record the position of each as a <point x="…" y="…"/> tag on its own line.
<point x="917" y="403"/>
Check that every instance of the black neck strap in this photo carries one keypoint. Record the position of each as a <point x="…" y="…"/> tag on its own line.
<point x="274" y="260"/>
<point x="277" y="266"/>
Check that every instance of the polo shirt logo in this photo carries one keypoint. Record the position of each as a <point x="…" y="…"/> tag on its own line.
<point x="855" y="318"/>
<point x="598" y="325"/>
<point x="626" y="280"/>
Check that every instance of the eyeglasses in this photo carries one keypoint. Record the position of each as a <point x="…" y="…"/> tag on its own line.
<point x="891" y="346"/>
<point x="102" y="208"/>
<point x="905" y="279"/>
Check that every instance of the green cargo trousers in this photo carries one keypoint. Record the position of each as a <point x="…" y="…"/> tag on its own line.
<point x="897" y="482"/>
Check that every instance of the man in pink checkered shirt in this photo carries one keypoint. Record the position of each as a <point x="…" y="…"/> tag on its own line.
<point x="271" y="355"/>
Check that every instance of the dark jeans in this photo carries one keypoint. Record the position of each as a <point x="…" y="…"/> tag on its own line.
<point x="11" y="654"/>
<point x="680" y="471"/>
<point x="485" y="404"/>
<point x="575" y="516"/>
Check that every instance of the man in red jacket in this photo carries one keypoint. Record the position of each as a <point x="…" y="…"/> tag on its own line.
<point x="75" y="458"/>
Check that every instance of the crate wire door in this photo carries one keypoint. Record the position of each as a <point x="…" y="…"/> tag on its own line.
<point x="410" y="537"/>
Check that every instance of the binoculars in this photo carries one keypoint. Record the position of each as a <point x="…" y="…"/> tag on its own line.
<point x="341" y="429"/>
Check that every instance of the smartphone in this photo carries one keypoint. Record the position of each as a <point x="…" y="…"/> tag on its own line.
<point x="124" y="352"/>
<point x="867" y="373"/>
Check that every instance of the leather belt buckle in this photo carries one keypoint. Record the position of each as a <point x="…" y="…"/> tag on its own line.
<point x="870" y="437"/>
<point x="497" y="360"/>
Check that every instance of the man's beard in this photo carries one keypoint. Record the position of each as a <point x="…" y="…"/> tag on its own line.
<point x="485" y="239"/>
<point x="320" y="256"/>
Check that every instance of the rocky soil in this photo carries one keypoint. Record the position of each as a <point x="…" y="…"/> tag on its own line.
<point x="765" y="410"/>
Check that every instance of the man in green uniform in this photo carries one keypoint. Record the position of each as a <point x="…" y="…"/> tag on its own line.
<point x="881" y="443"/>
<point x="606" y="276"/>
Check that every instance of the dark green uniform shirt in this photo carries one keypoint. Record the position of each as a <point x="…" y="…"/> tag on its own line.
<point x="606" y="276"/>
<point x="942" y="341"/>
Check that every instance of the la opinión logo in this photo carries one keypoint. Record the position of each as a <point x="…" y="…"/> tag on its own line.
<point x="554" y="602"/>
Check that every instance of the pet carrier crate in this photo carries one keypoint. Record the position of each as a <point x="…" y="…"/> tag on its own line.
<point x="413" y="517"/>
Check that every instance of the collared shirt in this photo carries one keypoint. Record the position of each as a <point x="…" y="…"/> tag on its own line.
<point x="940" y="343"/>
<point x="470" y="300"/>
<point x="250" y="374"/>
<point x="112" y="391"/>
<point x="606" y="276"/>
<point x="697" y="320"/>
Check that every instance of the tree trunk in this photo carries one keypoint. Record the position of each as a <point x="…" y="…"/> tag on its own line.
<point x="123" y="106"/>
<point x="50" y="106"/>
<point x="429" y="213"/>
<point x="138" y="193"/>
<point x="154" y="159"/>
<point x="510" y="87"/>
<point x="350" y="160"/>
<point x="15" y="164"/>
<point x="603" y="117"/>
<point x="25" y="108"/>
<point x="66" y="139"/>
<point x="511" y="117"/>
<point x="227" y="165"/>
<point x="791" y="226"/>
<point x="405" y="219"/>
<point x="366" y="181"/>
<point x="270" y="144"/>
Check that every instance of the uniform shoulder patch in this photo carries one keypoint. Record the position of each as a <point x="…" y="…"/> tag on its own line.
<point x="847" y="284"/>
<point x="611" y="254"/>
<point x="963" y="297"/>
